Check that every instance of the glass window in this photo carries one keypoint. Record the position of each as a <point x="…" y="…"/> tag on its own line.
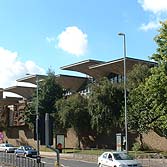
<point x="105" y="155"/>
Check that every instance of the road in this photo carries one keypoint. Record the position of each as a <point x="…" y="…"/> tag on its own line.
<point x="68" y="163"/>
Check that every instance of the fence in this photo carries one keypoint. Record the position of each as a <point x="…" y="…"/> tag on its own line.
<point x="14" y="161"/>
<point x="146" y="159"/>
<point x="152" y="160"/>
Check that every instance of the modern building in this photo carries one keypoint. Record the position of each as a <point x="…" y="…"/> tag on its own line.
<point x="12" y="108"/>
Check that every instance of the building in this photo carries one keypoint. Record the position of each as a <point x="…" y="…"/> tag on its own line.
<point x="12" y="109"/>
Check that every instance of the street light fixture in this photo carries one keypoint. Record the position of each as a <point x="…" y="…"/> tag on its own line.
<point x="37" y="115"/>
<point x="126" y="122"/>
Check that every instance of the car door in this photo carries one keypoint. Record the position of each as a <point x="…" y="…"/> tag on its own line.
<point x="20" y="151"/>
<point x="1" y="147"/>
<point x="109" y="160"/>
<point x="103" y="159"/>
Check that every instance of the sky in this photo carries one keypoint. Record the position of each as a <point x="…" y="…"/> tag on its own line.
<point x="37" y="35"/>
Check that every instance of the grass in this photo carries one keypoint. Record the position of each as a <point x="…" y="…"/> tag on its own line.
<point x="100" y="151"/>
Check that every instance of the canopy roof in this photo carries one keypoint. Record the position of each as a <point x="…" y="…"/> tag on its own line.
<point x="31" y="78"/>
<point x="73" y="83"/>
<point x="9" y="100"/>
<point x="83" y="66"/>
<point x="104" y="69"/>
<point x="26" y="92"/>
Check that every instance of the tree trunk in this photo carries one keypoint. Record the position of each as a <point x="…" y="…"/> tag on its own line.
<point x="141" y="141"/>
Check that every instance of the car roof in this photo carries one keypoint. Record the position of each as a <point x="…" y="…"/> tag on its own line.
<point x="115" y="152"/>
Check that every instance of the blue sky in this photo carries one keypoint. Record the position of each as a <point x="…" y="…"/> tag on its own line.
<point x="36" y="35"/>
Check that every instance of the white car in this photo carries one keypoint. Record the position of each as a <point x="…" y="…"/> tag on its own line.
<point x="5" y="147"/>
<point x="117" y="159"/>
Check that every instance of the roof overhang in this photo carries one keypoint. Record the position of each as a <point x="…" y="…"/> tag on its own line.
<point x="9" y="101"/>
<point x="32" y="78"/>
<point x="117" y="66"/>
<point x="83" y="66"/>
<point x="72" y="83"/>
<point x="100" y="69"/>
<point x="26" y="92"/>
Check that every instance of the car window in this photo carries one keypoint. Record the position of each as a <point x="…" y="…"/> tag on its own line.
<point x="105" y="155"/>
<point x="109" y="156"/>
<point x="9" y="145"/>
<point x="122" y="156"/>
<point x="28" y="148"/>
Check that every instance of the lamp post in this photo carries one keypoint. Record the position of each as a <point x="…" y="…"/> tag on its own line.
<point x="37" y="115"/>
<point x="126" y="122"/>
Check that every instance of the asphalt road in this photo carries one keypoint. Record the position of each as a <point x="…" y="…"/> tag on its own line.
<point x="68" y="163"/>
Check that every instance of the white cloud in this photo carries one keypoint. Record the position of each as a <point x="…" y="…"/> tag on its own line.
<point x="73" y="41"/>
<point x="50" y="39"/>
<point x="12" y="69"/>
<point x="157" y="10"/>
<point x="149" y="26"/>
<point x="155" y="6"/>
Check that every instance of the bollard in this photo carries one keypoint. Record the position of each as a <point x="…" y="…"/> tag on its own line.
<point x="56" y="164"/>
<point x="58" y="155"/>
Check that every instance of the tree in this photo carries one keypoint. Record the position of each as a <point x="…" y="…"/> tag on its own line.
<point x="137" y="75"/>
<point x="156" y="92"/>
<point x="48" y="93"/>
<point x="73" y="113"/>
<point x="137" y="107"/>
<point x="161" y="40"/>
<point x="105" y="104"/>
<point x="148" y="105"/>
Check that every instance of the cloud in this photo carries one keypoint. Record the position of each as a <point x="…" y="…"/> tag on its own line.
<point x="12" y="69"/>
<point x="149" y="26"/>
<point x="73" y="41"/>
<point x="157" y="11"/>
<point x="50" y="39"/>
<point x="154" y="6"/>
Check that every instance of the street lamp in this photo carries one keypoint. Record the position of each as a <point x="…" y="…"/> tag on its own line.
<point x="126" y="122"/>
<point x="37" y="115"/>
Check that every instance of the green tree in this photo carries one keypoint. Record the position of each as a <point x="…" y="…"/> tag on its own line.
<point x="148" y="107"/>
<point x="105" y="104"/>
<point x="137" y="108"/>
<point x="156" y="92"/>
<point x="161" y="40"/>
<point x="48" y="93"/>
<point x="73" y="113"/>
<point x="137" y="75"/>
<point x="138" y="111"/>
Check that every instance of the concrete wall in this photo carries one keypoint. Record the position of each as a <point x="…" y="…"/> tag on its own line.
<point x="154" y="141"/>
<point x="24" y="136"/>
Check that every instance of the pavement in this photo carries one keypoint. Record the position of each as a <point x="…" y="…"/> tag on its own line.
<point x="54" y="154"/>
<point x="92" y="158"/>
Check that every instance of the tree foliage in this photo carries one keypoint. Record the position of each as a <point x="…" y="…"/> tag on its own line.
<point x="48" y="93"/>
<point x="137" y="76"/>
<point x="156" y="92"/>
<point x="137" y="108"/>
<point x="105" y="104"/>
<point x="161" y="40"/>
<point x="73" y="113"/>
<point x="147" y="100"/>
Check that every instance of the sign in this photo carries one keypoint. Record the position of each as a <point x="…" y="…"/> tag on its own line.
<point x="118" y="142"/>
<point x="1" y="136"/>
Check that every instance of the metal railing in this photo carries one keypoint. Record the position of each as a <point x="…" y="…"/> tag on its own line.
<point x="14" y="161"/>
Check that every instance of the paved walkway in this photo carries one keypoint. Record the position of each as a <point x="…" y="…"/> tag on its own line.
<point x="92" y="158"/>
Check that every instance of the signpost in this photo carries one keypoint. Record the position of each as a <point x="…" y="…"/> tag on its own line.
<point x="1" y="136"/>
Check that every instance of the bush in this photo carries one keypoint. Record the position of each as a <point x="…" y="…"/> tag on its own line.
<point x="136" y="146"/>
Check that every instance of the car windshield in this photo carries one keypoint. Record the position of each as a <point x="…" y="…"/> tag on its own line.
<point x="28" y="148"/>
<point x="122" y="156"/>
<point x="8" y="145"/>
